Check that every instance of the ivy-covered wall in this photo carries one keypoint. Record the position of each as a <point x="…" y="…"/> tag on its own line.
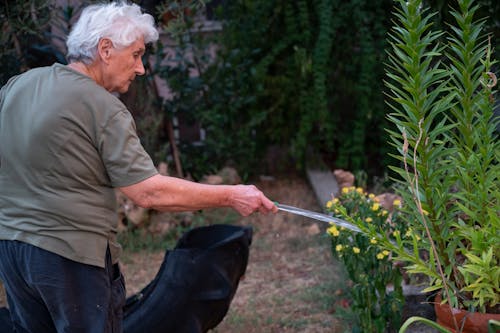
<point x="307" y="75"/>
<point x="304" y="75"/>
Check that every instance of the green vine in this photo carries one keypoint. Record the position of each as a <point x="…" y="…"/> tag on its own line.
<point x="314" y="102"/>
<point x="303" y="75"/>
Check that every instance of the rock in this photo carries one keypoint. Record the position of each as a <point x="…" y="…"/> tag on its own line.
<point x="212" y="180"/>
<point x="163" y="168"/>
<point x="344" y="178"/>
<point x="160" y="228"/>
<point x="229" y="176"/>
<point x="313" y="229"/>
<point x="386" y="200"/>
<point x="129" y="212"/>
<point x="136" y="215"/>
<point x="161" y="223"/>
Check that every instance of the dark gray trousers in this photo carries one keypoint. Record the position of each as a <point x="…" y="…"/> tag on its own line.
<point x="48" y="293"/>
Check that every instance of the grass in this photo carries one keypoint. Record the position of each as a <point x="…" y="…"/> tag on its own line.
<point x="290" y="293"/>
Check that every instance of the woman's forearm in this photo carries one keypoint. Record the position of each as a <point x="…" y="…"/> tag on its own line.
<point x="174" y="194"/>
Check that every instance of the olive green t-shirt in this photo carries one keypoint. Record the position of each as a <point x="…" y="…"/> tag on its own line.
<point x="65" y="144"/>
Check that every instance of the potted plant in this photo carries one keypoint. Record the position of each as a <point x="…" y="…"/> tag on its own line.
<point x="441" y="90"/>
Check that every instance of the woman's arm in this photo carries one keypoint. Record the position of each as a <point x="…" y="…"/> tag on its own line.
<point x="166" y="193"/>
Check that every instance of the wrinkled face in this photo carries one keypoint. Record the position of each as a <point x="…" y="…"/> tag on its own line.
<point x="123" y="65"/>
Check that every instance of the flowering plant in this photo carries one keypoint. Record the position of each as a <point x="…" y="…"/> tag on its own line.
<point x="447" y="150"/>
<point x="368" y="265"/>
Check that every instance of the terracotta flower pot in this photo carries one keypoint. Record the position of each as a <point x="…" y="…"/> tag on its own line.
<point x="468" y="322"/>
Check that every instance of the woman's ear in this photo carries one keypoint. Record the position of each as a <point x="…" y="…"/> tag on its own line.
<point x="104" y="49"/>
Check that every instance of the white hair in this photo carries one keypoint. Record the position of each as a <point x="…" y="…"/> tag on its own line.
<point x="122" y="23"/>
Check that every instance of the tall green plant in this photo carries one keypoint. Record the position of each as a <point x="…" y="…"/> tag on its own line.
<point x="442" y="101"/>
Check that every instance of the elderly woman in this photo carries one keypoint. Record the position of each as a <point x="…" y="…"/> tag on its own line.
<point x="66" y="142"/>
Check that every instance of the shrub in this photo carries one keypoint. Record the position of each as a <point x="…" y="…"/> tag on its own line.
<point x="368" y="266"/>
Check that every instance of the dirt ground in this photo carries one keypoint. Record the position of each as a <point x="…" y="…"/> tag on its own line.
<point x="291" y="284"/>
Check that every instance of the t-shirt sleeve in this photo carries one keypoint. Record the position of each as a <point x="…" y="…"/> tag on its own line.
<point x="124" y="157"/>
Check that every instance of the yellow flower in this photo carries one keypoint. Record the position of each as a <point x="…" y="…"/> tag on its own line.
<point x="339" y="248"/>
<point x="385" y="252"/>
<point x="335" y="200"/>
<point x="384" y="212"/>
<point x="396" y="202"/>
<point x="380" y="256"/>
<point x="368" y="219"/>
<point x="336" y="211"/>
<point x="359" y="190"/>
<point x="373" y="241"/>
<point x="356" y="250"/>
<point x="333" y="231"/>
<point x="345" y="190"/>
<point x="396" y="233"/>
<point x="329" y="204"/>
<point x="375" y="206"/>
<point x="371" y="196"/>
<point x="409" y="232"/>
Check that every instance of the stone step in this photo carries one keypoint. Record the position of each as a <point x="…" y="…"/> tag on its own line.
<point x="324" y="185"/>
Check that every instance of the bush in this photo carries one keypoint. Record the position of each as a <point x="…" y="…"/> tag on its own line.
<point x="368" y="266"/>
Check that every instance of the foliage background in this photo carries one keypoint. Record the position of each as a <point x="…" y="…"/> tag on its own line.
<point x="302" y="77"/>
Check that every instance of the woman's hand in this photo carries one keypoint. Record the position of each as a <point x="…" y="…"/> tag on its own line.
<point x="246" y="199"/>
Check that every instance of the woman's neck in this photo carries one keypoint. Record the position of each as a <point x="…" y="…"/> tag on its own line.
<point x="87" y="70"/>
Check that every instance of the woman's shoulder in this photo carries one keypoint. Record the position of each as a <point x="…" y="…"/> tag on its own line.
<point x="83" y="88"/>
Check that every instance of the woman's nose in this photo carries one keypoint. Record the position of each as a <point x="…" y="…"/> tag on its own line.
<point x="139" y="68"/>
